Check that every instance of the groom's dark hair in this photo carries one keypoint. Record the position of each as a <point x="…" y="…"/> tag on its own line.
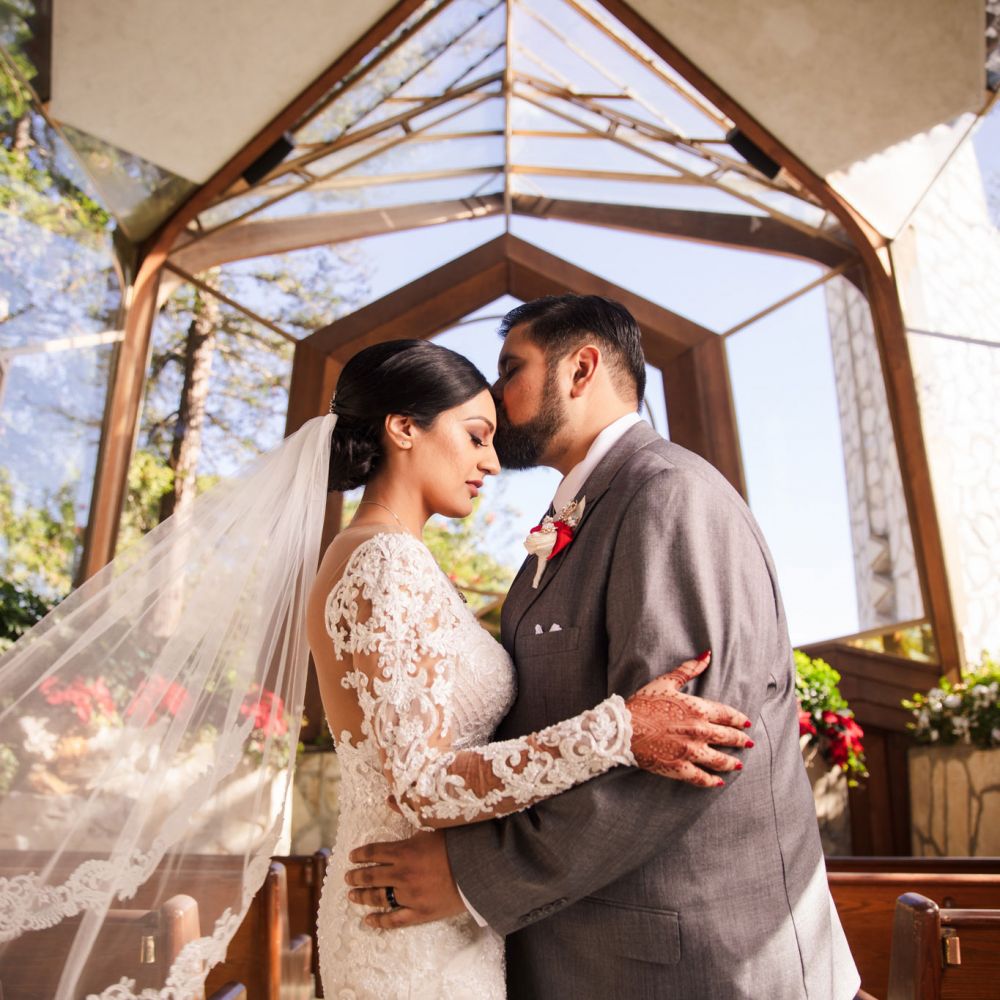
<point x="559" y="324"/>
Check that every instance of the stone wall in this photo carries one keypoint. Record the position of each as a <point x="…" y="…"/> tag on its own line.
<point x="314" y="801"/>
<point x="948" y="269"/>
<point x="888" y="586"/>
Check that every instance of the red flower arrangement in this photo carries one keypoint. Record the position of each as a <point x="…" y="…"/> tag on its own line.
<point x="87" y="698"/>
<point x="157" y="697"/>
<point x="267" y="710"/>
<point x="825" y="720"/>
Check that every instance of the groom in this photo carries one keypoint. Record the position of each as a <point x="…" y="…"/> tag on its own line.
<point x="632" y="885"/>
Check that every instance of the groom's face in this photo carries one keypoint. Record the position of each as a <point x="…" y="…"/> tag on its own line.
<point x="530" y="411"/>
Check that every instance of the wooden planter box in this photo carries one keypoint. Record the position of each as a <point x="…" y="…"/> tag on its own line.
<point x="954" y="801"/>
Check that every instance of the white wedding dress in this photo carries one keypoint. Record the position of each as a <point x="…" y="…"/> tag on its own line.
<point x="431" y="685"/>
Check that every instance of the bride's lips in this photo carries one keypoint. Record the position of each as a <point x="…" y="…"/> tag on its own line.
<point x="475" y="485"/>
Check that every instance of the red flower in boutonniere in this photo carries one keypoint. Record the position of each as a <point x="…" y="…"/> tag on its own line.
<point x="550" y="537"/>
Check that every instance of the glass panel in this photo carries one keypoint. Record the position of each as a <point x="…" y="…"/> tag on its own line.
<point x="301" y="291"/>
<point x="479" y="118"/>
<point x="630" y="70"/>
<point x="496" y="62"/>
<point x="715" y="286"/>
<point x="584" y="154"/>
<point x="417" y="157"/>
<point x="139" y="193"/>
<point x="790" y="433"/>
<point x="946" y="263"/>
<point x="352" y="107"/>
<point x="59" y="309"/>
<point x="543" y="40"/>
<point x="368" y="195"/>
<point x="462" y="59"/>
<point x="787" y="204"/>
<point x="211" y="359"/>
<point x="695" y="197"/>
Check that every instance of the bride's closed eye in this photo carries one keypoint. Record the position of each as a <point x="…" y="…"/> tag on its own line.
<point x="479" y="442"/>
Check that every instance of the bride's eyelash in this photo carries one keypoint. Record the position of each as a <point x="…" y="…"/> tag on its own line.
<point x="478" y="441"/>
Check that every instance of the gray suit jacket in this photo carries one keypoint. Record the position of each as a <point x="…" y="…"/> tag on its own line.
<point x="631" y="885"/>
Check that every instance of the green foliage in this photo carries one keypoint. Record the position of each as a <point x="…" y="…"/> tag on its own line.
<point x="39" y="542"/>
<point x="825" y="717"/>
<point x="20" y="609"/>
<point x="967" y="711"/>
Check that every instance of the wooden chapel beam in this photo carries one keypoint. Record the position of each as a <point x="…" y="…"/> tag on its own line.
<point x="125" y="395"/>
<point x="700" y="410"/>
<point x="746" y="232"/>
<point x="257" y="237"/>
<point x="422" y="308"/>
<point x="890" y="329"/>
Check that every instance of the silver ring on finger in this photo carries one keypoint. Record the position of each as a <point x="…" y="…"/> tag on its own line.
<point x="390" y="898"/>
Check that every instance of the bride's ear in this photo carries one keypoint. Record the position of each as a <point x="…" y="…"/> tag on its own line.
<point x="400" y="430"/>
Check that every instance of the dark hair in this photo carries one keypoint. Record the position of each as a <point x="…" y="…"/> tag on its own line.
<point x="560" y="323"/>
<point x="414" y="378"/>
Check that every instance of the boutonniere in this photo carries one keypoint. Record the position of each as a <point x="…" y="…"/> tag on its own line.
<point x="550" y="537"/>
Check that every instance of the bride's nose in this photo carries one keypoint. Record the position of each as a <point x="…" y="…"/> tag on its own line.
<point x="489" y="463"/>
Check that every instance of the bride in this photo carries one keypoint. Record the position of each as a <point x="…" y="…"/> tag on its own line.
<point x="413" y="686"/>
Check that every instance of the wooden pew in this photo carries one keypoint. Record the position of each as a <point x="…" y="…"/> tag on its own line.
<point x="29" y="972"/>
<point x="866" y="902"/>
<point x="943" y="954"/>
<point x="305" y="883"/>
<point x="263" y="955"/>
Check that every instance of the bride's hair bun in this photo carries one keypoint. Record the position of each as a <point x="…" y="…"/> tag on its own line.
<point x="414" y="378"/>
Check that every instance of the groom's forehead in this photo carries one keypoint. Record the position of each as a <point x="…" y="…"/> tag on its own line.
<point x="517" y="346"/>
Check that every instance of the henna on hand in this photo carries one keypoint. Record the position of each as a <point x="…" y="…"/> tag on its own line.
<point x="673" y="732"/>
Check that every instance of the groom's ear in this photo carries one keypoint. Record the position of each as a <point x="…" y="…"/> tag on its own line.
<point x="586" y="361"/>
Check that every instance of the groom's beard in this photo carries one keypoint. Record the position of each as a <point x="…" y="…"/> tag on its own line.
<point x="522" y="446"/>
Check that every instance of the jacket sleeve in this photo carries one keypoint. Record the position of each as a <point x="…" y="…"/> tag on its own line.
<point x="687" y="573"/>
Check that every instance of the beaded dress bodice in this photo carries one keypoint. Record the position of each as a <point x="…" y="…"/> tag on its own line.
<point x="432" y="685"/>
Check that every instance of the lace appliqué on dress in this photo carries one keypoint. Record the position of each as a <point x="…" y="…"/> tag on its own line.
<point x="394" y="612"/>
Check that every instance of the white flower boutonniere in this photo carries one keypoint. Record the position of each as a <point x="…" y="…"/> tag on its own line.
<point x="549" y="538"/>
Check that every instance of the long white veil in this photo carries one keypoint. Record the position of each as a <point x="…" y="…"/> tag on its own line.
<point x="148" y="727"/>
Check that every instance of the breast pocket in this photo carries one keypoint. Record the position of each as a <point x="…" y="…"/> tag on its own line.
<point x="547" y="643"/>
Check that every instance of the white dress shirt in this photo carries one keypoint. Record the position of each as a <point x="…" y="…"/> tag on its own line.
<point x="568" y="489"/>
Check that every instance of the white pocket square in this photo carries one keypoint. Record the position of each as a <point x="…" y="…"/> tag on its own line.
<point x="554" y="627"/>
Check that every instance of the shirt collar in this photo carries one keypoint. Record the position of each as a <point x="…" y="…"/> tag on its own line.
<point x="574" y="479"/>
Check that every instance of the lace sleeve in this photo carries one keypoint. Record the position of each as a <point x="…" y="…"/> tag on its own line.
<point x="393" y="613"/>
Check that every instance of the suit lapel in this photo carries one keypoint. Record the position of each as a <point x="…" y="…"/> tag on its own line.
<point x="522" y="595"/>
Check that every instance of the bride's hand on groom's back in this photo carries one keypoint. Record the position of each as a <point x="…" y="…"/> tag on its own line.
<point x="675" y="734"/>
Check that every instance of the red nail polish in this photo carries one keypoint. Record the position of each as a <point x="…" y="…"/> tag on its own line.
<point x="739" y="767"/>
<point x="749" y="743"/>
<point x="705" y="655"/>
<point x="747" y="724"/>
<point x="721" y="784"/>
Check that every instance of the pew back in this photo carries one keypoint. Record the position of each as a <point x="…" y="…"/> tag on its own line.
<point x="866" y="902"/>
